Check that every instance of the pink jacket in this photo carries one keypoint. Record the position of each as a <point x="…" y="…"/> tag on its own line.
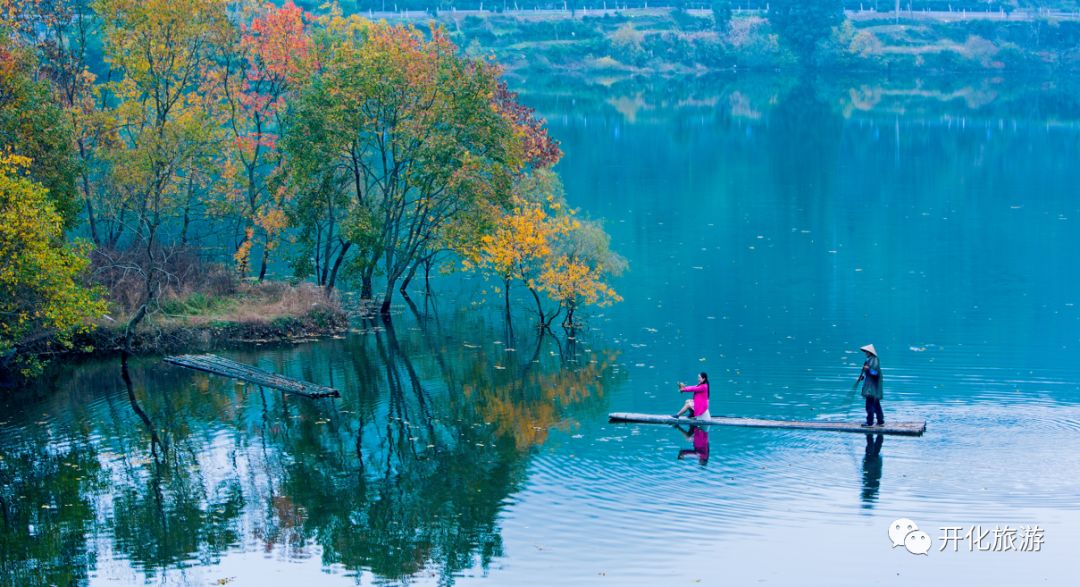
<point x="701" y="397"/>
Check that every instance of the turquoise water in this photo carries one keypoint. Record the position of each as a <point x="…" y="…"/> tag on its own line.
<point x="772" y="226"/>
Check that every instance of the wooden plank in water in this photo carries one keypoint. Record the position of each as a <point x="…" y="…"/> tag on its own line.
<point x="903" y="428"/>
<point x="228" y="368"/>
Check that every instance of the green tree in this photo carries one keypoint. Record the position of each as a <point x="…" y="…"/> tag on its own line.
<point x="42" y="304"/>
<point x="418" y="136"/>
<point x="721" y="11"/>
<point x="32" y="125"/>
<point x="802" y="24"/>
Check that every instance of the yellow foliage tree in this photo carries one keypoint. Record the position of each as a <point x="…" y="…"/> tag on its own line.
<point x="521" y="242"/>
<point x="576" y="275"/>
<point x="165" y="108"/>
<point x="42" y="304"/>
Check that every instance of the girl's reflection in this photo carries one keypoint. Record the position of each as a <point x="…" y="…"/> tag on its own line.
<point x="700" y="438"/>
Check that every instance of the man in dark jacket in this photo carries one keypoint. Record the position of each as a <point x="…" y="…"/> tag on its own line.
<point x="871" y="389"/>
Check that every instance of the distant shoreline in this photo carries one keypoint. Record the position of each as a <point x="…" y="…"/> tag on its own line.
<point x="1017" y="15"/>
<point x="665" y="41"/>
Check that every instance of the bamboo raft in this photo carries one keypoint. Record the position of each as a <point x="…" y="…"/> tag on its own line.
<point x="227" y="368"/>
<point x="901" y="428"/>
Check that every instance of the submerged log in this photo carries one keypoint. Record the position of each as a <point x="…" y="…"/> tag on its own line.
<point x="228" y="368"/>
<point x="902" y="428"/>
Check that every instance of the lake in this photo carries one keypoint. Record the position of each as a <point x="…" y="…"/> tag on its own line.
<point x="772" y="225"/>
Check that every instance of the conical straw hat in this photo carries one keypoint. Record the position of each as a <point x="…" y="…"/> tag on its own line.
<point x="870" y="349"/>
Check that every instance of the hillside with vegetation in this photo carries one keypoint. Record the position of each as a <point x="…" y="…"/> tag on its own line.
<point x="925" y="36"/>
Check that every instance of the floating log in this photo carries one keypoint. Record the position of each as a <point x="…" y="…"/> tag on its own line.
<point x="902" y="428"/>
<point x="222" y="366"/>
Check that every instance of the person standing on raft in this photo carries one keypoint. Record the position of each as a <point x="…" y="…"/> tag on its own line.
<point x="699" y="406"/>
<point x="871" y="389"/>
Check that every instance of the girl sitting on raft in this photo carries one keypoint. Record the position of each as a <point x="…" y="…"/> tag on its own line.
<point x="699" y="406"/>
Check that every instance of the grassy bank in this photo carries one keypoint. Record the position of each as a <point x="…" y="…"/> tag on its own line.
<point x="202" y="320"/>
<point x="670" y="41"/>
<point x="195" y="306"/>
<point x="252" y="313"/>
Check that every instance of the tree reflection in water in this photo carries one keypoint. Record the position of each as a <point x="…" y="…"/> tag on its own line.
<point x="404" y="474"/>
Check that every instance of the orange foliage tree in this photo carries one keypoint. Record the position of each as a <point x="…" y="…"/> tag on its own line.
<point x="273" y="54"/>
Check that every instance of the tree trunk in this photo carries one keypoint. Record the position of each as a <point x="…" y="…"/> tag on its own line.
<point x="262" y="267"/>
<point x="187" y="212"/>
<point x="148" y="294"/>
<point x="245" y="262"/>
<point x="184" y="227"/>
<point x="129" y="332"/>
<point x="539" y="306"/>
<point x="384" y="309"/>
<point x="90" y="218"/>
<point x="265" y="258"/>
<point x="337" y="265"/>
<point x="568" y="323"/>
<point x="408" y="278"/>
<point x="365" y="283"/>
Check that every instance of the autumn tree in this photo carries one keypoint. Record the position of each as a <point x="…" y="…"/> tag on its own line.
<point x="467" y="234"/>
<point x="162" y="112"/>
<point x="42" y="304"/>
<point x="273" y="53"/>
<point x="332" y="220"/>
<point x="520" y="243"/>
<point x="418" y="138"/>
<point x="577" y="274"/>
<point x="65" y="35"/>
<point x="33" y="126"/>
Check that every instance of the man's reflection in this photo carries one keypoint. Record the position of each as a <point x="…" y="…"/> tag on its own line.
<point x="700" y="439"/>
<point x="871" y="477"/>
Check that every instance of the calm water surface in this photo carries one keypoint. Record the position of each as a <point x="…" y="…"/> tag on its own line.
<point x="772" y="226"/>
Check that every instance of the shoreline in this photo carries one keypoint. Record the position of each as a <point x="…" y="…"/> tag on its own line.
<point x="256" y="314"/>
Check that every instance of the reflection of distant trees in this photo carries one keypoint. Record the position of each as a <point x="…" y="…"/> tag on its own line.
<point x="166" y="511"/>
<point x="855" y="95"/>
<point x="405" y="473"/>
<point x="46" y="513"/>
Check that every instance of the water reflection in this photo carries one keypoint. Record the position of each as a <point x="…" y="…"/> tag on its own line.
<point x="46" y="513"/>
<point x="700" y="439"/>
<point x="871" y="477"/>
<point x="406" y="473"/>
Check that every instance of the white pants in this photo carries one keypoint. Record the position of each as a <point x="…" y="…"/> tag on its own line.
<point x="690" y="404"/>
